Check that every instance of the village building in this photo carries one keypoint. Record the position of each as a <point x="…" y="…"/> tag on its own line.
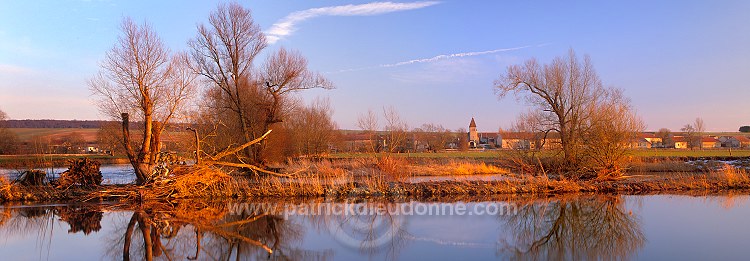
<point x="710" y="142"/>
<point x="486" y="140"/>
<point x="680" y="142"/>
<point x="735" y="141"/>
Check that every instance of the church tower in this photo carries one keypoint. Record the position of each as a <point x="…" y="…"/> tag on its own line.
<point x="473" y="135"/>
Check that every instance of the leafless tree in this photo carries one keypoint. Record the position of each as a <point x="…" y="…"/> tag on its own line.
<point x="666" y="137"/>
<point x="694" y="133"/>
<point x="568" y="99"/>
<point x="461" y="136"/>
<point x="700" y="128"/>
<point x="434" y="136"/>
<point x="611" y="127"/>
<point x="311" y="128"/>
<point x="8" y="139"/>
<point x="551" y="229"/>
<point x="140" y="77"/>
<point x="224" y="52"/>
<point x="396" y="129"/>
<point x="368" y="122"/>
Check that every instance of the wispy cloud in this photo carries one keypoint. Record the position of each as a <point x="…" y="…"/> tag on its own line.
<point x="286" y="26"/>
<point x="439" y="58"/>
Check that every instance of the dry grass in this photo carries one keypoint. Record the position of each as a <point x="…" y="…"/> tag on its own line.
<point x="364" y="177"/>
<point x="660" y="165"/>
<point x="456" y="167"/>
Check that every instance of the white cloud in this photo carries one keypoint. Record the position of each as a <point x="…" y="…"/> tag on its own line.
<point x="438" y="58"/>
<point x="286" y="26"/>
<point x="455" y="55"/>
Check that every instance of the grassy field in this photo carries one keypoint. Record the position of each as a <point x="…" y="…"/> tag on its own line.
<point x="8" y="161"/>
<point x="498" y="153"/>
<point x="457" y="154"/>
<point x="26" y="134"/>
<point x="692" y="153"/>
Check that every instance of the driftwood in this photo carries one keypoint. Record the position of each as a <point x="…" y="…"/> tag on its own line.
<point x="32" y="178"/>
<point x="83" y="172"/>
<point x="216" y="159"/>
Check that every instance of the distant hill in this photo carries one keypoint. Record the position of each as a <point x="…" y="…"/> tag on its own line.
<point x="54" y="124"/>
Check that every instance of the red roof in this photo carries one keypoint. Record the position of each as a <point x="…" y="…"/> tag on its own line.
<point x="709" y="139"/>
<point x="472" y="124"/>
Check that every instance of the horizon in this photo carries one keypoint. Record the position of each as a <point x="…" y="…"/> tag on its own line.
<point x="435" y="62"/>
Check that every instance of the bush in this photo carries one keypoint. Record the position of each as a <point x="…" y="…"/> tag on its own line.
<point x="745" y="129"/>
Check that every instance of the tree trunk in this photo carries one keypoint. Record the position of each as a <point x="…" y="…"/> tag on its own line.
<point x="139" y="167"/>
<point x="128" y="238"/>
<point x="147" y="239"/>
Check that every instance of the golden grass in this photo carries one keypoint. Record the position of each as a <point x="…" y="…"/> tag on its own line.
<point x="454" y="167"/>
<point x="366" y="177"/>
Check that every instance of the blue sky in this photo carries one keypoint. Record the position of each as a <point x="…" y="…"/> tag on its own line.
<point x="676" y="60"/>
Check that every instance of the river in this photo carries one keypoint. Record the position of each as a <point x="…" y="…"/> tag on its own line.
<point x="571" y="227"/>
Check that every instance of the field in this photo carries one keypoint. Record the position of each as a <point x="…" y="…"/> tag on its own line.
<point x="26" y="134"/>
<point x="692" y="153"/>
<point x="498" y="153"/>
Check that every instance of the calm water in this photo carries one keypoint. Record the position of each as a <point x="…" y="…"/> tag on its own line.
<point x="656" y="227"/>
<point x="111" y="173"/>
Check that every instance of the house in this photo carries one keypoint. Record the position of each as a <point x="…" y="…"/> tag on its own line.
<point x="641" y="143"/>
<point x="652" y="139"/>
<point x="710" y="142"/>
<point x="734" y="141"/>
<point x="680" y="142"/>
<point x="92" y="149"/>
<point x="515" y="141"/>
<point x="489" y="138"/>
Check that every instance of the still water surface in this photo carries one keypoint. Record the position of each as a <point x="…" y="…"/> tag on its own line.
<point x="573" y="227"/>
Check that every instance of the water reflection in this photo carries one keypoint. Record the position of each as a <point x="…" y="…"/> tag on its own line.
<point x="562" y="227"/>
<point x="581" y="228"/>
<point x="192" y="230"/>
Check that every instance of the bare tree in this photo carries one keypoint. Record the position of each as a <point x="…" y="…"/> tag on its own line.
<point x="368" y="122"/>
<point x="311" y="128"/>
<point x="8" y="139"/>
<point x="612" y="126"/>
<point x="666" y="137"/>
<point x="461" y="136"/>
<point x="694" y="133"/>
<point x="567" y="96"/>
<point x="396" y="129"/>
<point x="434" y="136"/>
<point x="223" y="52"/>
<point x="700" y="128"/>
<point x="140" y="77"/>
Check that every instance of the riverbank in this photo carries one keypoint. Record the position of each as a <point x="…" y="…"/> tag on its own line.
<point x="217" y="185"/>
<point x="30" y="161"/>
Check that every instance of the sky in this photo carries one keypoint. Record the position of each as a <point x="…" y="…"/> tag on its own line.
<point x="433" y="61"/>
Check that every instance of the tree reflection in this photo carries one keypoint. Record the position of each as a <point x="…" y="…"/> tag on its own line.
<point x="369" y="227"/>
<point x="574" y="228"/>
<point x="84" y="219"/>
<point x="208" y="231"/>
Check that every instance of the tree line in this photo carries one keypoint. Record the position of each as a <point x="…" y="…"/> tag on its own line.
<point x="217" y="85"/>
<point x="55" y="124"/>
